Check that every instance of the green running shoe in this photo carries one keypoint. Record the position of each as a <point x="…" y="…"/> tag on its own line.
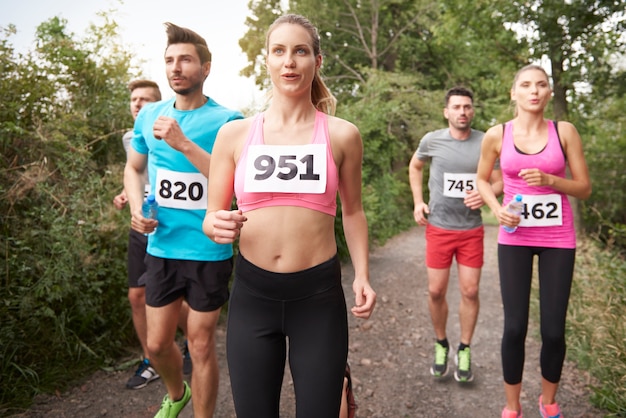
<point x="171" y="409"/>
<point x="440" y="366"/>
<point x="463" y="371"/>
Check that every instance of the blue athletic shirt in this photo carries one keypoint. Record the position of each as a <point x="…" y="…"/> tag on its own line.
<point x="179" y="187"/>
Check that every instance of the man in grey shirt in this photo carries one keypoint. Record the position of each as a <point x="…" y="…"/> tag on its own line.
<point x="143" y="92"/>
<point x="453" y="222"/>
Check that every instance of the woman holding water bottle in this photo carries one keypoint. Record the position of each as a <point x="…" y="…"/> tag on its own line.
<point x="534" y="155"/>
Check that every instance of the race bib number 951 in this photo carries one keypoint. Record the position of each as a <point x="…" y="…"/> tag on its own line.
<point x="178" y="190"/>
<point x="286" y="169"/>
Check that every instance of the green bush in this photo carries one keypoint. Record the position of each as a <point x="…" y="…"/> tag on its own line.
<point x="604" y="214"/>
<point x="63" y="306"/>
<point x="63" y="286"/>
<point x="64" y="293"/>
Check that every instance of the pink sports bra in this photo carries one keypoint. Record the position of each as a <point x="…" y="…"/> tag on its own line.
<point x="287" y="175"/>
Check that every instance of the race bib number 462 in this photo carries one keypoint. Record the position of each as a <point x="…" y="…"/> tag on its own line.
<point x="178" y="190"/>
<point x="286" y="169"/>
<point x="542" y="210"/>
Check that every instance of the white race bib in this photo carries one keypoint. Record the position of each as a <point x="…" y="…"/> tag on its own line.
<point x="458" y="184"/>
<point x="542" y="210"/>
<point x="286" y="169"/>
<point x="178" y="190"/>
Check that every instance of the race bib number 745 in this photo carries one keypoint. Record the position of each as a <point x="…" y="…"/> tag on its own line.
<point x="458" y="184"/>
<point x="286" y="169"/>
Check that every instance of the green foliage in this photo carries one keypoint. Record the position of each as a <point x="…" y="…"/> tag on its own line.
<point x="605" y="151"/>
<point x="64" y="109"/>
<point x="357" y="36"/>
<point x="392" y="113"/>
<point x="64" y="286"/>
<point x="579" y="39"/>
<point x="596" y="333"/>
<point x="63" y="283"/>
<point x="253" y="42"/>
<point x="478" y="36"/>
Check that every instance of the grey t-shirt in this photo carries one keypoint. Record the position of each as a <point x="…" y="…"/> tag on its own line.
<point x="126" y="139"/>
<point x="128" y="136"/>
<point x="453" y="165"/>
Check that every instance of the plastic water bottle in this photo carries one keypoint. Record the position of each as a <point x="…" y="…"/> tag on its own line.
<point x="150" y="209"/>
<point x="515" y="207"/>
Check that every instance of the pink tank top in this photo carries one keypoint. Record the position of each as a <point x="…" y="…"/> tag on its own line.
<point x="548" y="219"/>
<point x="287" y="175"/>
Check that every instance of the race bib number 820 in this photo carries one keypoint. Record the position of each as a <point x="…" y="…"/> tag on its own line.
<point x="178" y="190"/>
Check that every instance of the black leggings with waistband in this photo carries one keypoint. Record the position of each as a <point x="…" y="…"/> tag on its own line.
<point x="301" y="315"/>
<point x="555" y="268"/>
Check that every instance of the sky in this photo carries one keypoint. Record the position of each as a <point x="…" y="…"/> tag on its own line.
<point x="143" y="32"/>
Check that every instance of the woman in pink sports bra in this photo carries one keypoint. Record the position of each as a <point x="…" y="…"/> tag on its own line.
<point x="534" y="154"/>
<point x="285" y="167"/>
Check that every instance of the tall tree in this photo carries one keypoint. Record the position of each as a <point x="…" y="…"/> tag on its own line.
<point x="448" y="43"/>
<point x="580" y="39"/>
<point x="89" y="78"/>
<point x="263" y="13"/>
<point x="355" y="35"/>
<point x="469" y="44"/>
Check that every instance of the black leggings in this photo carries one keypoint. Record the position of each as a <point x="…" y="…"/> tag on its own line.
<point x="266" y="309"/>
<point x="556" y="269"/>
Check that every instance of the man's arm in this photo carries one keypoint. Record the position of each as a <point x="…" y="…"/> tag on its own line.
<point x="168" y="130"/>
<point x="134" y="187"/>
<point x="416" y="176"/>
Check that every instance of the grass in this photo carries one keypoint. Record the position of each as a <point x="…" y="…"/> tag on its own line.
<point x="596" y="331"/>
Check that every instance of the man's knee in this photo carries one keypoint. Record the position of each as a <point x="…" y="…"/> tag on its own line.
<point x="201" y="349"/>
<point x="438" y="284"/>
<point x="137" y="298"/>
<point x="437" y="293"/>
<point x="159" y="348"/>
<point x="470" y="293"/>
<point x="469" y="280"/>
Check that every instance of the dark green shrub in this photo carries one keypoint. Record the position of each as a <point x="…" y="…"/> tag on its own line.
<point x="63" y="288"/>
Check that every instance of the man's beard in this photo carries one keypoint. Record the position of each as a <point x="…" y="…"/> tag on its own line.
<point x="188" y="90"/>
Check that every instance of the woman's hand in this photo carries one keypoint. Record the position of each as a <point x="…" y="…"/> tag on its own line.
<point x="535" y="177"/>
<point x="364" y="298"/>
<point x="227" y="225"/>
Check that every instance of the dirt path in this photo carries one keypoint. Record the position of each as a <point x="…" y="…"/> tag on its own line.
<point x="390" y="356"/>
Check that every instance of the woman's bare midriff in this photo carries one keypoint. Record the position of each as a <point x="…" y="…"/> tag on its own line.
<point x="286" y="239"/>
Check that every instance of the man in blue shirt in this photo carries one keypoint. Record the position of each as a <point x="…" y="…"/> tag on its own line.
<point x="174" y="138"/>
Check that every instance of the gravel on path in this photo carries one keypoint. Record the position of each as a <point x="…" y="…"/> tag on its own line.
<point x="390" y="355"/>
